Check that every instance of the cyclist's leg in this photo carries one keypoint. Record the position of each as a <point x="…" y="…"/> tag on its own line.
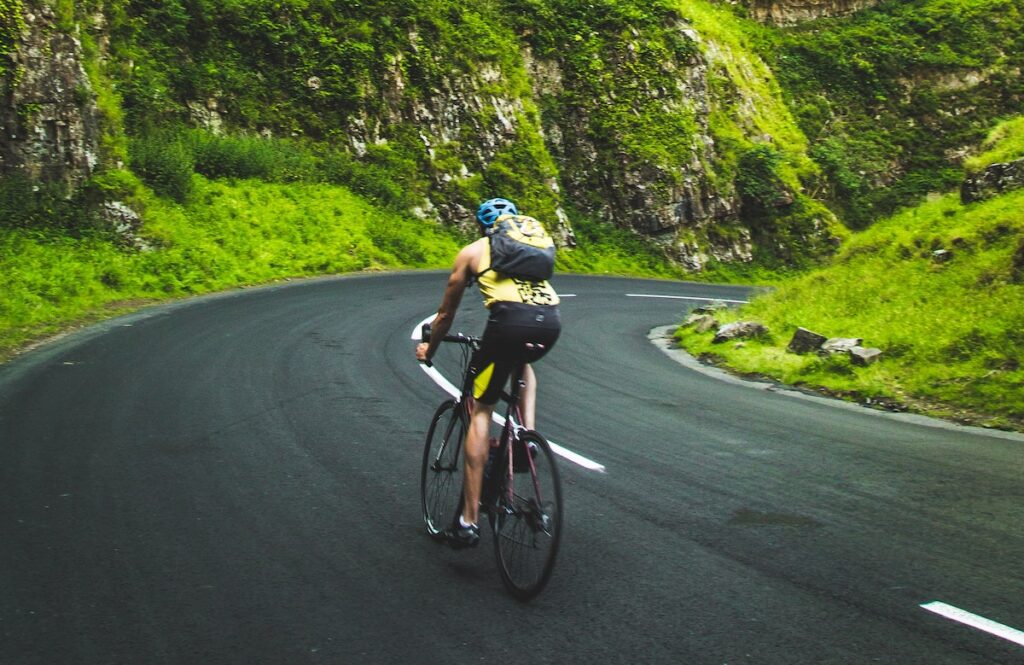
<point x="528" y="397"/>
<point x="475" y="451"/>
<point x="501" y="349"/>
<point x="487" y="370"/>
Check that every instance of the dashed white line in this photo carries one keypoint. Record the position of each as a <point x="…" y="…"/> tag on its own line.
<point x="975" y="621"/>
<point x="449" y="388"/>
<point x="656" y="295"/>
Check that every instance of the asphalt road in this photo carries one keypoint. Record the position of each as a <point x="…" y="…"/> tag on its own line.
<point x="235" y="480"/>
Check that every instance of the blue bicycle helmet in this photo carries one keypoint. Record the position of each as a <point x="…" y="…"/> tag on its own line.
<point x="489" y="211"/>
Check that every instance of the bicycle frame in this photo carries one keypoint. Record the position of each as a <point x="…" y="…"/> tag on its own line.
<point x="526" y="525"/>
<point x="513" y="416"/>
<point x="513" y="413"/>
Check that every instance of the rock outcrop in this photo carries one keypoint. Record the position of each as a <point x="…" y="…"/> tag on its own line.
<point x="675" y="205"/>
<point x="790" y="12"/>
<point x="739" y="330"/>
<point x="578" y="139"/>
<point x="48" y="110"/>
<point x="678" y="206"/>
<point x="994" y="180"/>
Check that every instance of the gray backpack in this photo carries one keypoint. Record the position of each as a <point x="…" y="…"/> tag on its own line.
<point x="522" y="248"/>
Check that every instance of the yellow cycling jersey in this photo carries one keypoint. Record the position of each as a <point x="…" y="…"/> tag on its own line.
<point x="498" y="287"/>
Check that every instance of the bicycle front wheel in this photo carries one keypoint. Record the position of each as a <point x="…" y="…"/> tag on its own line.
<point x="528" y="521"/>
<point x="441" y="474"/>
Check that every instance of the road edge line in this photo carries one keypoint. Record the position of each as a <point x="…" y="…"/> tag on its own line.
<point x="975" y="621"/>
<point x="658" y="337"/>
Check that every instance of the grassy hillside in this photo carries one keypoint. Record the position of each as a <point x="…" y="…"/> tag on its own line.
<point x="868" y="114"/>
<point x="1004" y="143"/>
<point x="951" y="329"/>
<point x="893" y="98"/>
<point x="233" y="233"/>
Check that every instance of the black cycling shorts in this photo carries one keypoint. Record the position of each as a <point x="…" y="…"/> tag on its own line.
<point x="516" y="333"/>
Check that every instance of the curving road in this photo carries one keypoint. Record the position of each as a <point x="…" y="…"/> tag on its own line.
<point x="234" y="479"/>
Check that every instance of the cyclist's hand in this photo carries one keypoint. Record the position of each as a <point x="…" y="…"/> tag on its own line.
<point x="421" y="352"/>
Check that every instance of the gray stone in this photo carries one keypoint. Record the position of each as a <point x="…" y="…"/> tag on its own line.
<point x="791" y="12"/>
<point x="707" y="323"/>
<point x="840" y="344"/>
<point x="701" y="322"/>
<point x="805" y="341"/>
<point x="864" y="357"/>
<point x="942" y="255"/>
<point x="125" y="223"/>
<point x="994" y="180"/>
<point x="739" y="330"/>
<point x="49" y="112"/>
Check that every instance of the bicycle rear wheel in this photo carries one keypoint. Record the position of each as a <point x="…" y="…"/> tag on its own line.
<point x="528" y="522"/>
<point x="441" y="473"/>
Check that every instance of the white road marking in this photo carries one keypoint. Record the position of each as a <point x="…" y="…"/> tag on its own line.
<point x="655" y="295"/>
<point x="975" y="621"/>
<point x="449" y="388"/>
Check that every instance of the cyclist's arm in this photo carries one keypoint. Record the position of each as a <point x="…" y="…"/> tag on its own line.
<point x="465" y="265"/>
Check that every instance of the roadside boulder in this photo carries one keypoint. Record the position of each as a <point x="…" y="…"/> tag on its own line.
<point x="840" y="344"/>
<point x="701" y="322"/>
<point x="125" y="223"/>
<point x="994" y="180"/>
<point x="863" y="357"/>
<point x="805" y="341"/>
<point x="739" y="330"/>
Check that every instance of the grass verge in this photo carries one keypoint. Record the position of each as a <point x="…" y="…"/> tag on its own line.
<point x="938" y="288"/>
<point x="229" y="234"/>
<point x="233" y="233"/>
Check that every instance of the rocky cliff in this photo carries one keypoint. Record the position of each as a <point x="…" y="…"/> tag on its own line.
<point x="791" y="12"/>
<point x="673" y="199"/>
<point x="620" y="127"/>
<point x="592" y="155"/>
<point x="48" y="112"/>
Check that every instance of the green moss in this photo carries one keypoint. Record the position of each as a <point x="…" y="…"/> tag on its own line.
<point x="749" y="103"/>
<point x="12" y="24"/>
<point x="526" y="168"/>
<point x="889" y="96"/>
<point x="620" y="64"/>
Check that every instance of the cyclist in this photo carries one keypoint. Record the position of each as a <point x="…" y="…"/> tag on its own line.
<point x="522" y="326"/>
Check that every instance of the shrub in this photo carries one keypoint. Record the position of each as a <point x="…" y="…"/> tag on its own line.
<point x="272" y="159"/>
<point x="164" y="162"/>
<point x="757" y="180"/>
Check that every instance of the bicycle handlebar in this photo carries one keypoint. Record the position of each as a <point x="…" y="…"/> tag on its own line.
<point x="458" y="338"/>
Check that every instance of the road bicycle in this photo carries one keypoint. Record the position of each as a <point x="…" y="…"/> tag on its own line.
<point x="521" y="493"/>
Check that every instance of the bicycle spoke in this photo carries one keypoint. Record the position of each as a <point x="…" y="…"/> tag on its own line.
<point x="441" y="474"/>
<point x="528" y="527"/>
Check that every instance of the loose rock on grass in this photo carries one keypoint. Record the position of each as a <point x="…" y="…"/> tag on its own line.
<point x="738" y="330"/>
